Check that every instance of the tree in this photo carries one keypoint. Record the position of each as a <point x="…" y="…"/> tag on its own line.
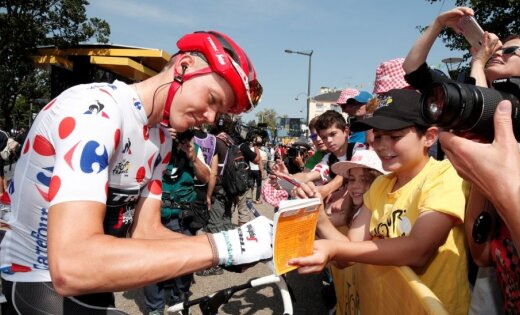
<point x="25" y="25"/>
<point x="267" y="116"/>
<point x="501" y="17"/>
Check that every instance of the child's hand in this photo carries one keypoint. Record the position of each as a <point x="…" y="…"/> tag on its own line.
<point x="280" y="168"/>
<point x="315" y="262"/>
<point x="305" y="190"/>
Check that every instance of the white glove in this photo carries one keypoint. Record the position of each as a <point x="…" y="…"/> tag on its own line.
<point x="249" y="243"/>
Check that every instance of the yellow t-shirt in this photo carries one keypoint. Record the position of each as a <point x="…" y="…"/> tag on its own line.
<point x="347" y="296"/>
<point x="436" y="188"/>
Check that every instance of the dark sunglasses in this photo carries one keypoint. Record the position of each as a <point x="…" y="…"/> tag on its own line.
<point x="314" y="136"/>
<point x="509" y="50"/>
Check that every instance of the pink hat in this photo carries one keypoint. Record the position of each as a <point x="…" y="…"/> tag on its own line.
<point x="390" y="75"/>
<point x="361" y="158"/>
<point x="346" y="94"/>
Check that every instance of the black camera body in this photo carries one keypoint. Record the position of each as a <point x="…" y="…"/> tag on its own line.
<point x="254" y="132"/>
<point x="469" y="108"/>
<point x="296" y="150"/>
<point x="185" y="136"/>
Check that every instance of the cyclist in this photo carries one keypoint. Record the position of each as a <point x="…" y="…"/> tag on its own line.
<point x="90" y="175"/>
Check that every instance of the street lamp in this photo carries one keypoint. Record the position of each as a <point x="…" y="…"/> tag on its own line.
<point x="309" y="54"/>
<point x="297" y="97"/>
<point x="452" y="71"/>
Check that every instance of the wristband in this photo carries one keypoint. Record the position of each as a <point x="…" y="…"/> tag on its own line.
<point x="222" y="247"/>
<point x="214" y="253"/>
<point x="229" y="260"/>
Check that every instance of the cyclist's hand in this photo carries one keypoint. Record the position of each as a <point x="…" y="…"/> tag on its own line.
<point x="317" y="261"/>
<point x="249" y="243"/>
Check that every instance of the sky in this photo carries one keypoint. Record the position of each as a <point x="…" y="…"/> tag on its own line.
<point x="349" y="38"/>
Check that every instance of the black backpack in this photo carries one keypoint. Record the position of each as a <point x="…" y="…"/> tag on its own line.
<point x="235" y="173"/>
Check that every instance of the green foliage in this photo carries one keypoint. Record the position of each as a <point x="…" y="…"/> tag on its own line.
<point x="26" y="25"/>
<point x="267" y="116"/>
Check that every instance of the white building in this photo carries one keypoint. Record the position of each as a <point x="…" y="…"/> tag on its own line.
<point x="325" y="100"/>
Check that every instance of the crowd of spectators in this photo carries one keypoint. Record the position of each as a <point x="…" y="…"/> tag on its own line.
<point x="390" y="196"/>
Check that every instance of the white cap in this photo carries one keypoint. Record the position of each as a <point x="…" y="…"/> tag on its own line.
<point x="361" y="158"/>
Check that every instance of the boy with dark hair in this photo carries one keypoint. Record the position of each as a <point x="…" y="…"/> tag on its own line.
<point x="333" y="129"/>
<point x="411" y="217"/>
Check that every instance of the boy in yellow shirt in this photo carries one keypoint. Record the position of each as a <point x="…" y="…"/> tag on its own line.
<point x="410" y="217"/>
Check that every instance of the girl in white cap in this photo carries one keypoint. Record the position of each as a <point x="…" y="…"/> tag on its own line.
<point x="360" y="172"/>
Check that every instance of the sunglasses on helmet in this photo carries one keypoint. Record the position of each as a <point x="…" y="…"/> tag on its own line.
<point x="253" y="88"/>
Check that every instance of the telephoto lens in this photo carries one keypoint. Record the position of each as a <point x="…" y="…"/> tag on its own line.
<point x="469" y="108"/>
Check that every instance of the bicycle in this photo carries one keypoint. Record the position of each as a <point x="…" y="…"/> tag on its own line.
<point x="211" y="303"/>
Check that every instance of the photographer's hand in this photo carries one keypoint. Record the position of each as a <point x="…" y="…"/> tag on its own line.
<point x="451" y="18"/>
<point x="493" y="167"/>
<point x="422" y="46"/>
<point x="480" y="57"/>
<point x="189" y="148"/>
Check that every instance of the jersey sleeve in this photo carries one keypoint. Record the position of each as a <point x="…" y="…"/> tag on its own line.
<point x="444" y="191"/>
<point x="323" y="169"/>
<point x="154" y="187"/>
<point x="75" y="143"/>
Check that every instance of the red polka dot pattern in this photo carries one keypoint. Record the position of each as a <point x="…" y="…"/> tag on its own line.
<point x="141" y="172"/>
<point x="167" y="158"/>
<point x="66" y="127"/>
<point x="155" y="187"/>
<point x="54" y="187"/>
<point x="42" y="146"/>
<point x="117" y="138"/>
<point x="27" y="146"/>
<point x="50" y="104"/>
<point x="161" y="136"/>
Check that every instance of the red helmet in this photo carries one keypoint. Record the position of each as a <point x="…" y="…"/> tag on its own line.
<point x="229" y="61"/>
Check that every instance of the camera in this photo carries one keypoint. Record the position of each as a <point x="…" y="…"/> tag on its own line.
<point x="185" y="136"/>
<point x="293" y="151"/>
<point x="254" y="133"/>
<point x="469" y="108"/>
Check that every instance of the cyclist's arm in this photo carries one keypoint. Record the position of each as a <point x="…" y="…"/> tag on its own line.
<point x="147" y="221"/>
<point x="83" y="259"/>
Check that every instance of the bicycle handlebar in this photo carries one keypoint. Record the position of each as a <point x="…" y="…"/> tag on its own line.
<point x="210" y="304"/>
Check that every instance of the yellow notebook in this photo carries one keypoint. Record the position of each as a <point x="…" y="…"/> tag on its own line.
<point x="294" y="231"/>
